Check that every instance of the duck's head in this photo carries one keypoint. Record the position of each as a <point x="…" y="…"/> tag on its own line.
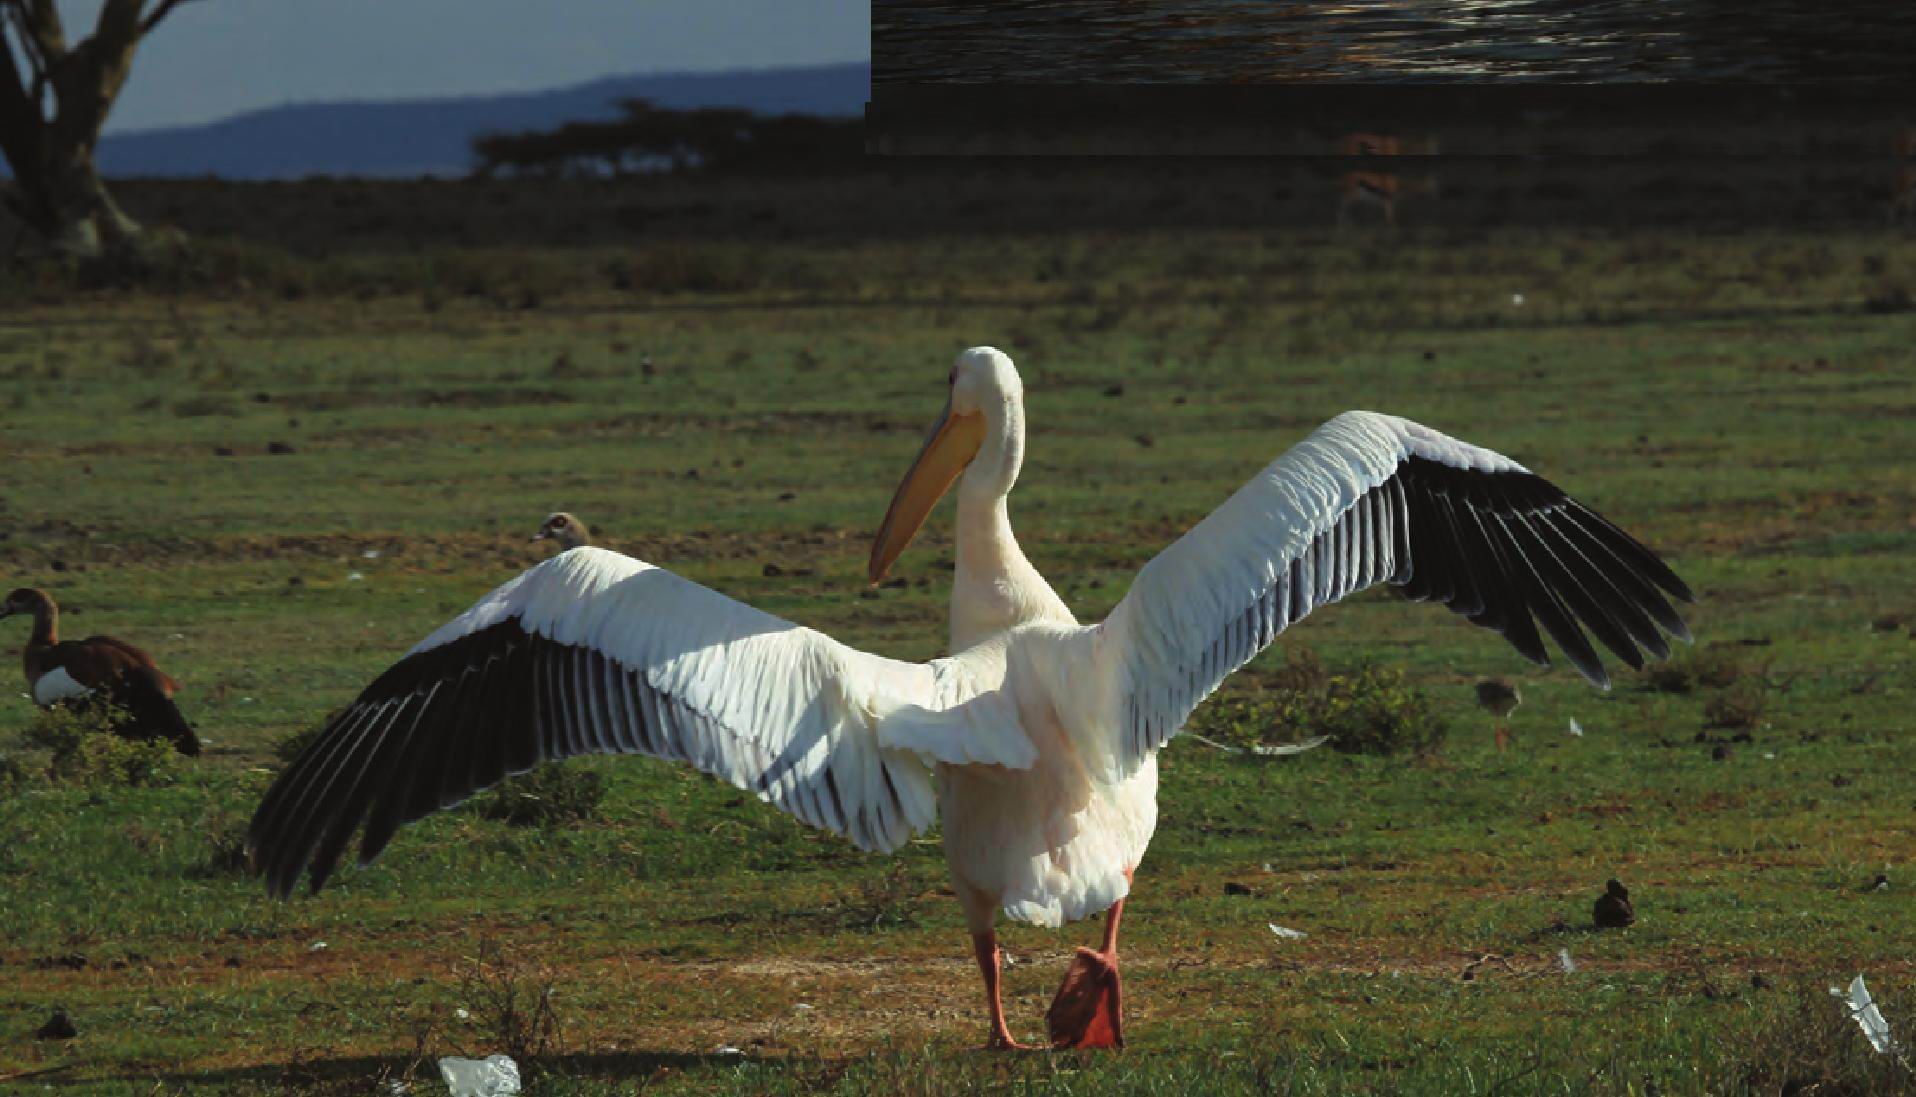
<point x="565" y="529"/>
<point x="30" y="600"/>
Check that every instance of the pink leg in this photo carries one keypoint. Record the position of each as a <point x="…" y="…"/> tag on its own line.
<point x="985" y="947"/>
<point x="1088" y="1010"/>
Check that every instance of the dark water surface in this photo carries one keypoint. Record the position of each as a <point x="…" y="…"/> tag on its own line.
<point x="1258" y="41"/>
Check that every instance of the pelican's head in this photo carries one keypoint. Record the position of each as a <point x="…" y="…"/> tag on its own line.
<point x="984" y="389"/>
<point x="565" y="529"/>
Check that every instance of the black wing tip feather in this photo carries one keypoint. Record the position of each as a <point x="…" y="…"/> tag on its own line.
<point x="345" y="777"/>
<point x="1501" y="547"/>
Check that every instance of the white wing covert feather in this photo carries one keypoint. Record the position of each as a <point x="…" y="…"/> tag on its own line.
<point x="1366" y="498"/>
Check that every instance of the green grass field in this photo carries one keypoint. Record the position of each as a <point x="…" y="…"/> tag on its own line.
<point x="1742" y="403"/>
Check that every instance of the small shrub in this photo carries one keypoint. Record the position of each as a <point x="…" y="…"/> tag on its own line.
<point x="14" y="776"/>
<point x="510" y="1002"/>
<point x="86" y="752"/>
<point x="550" y="795"/>
<point x="887" y="900"/>
<point x="1740" y="706"/>
<point x="1373" y="711"/>
<point x="1302" y="669"/>
<point x="1812" y="1046"/>
<point x="226" y="845"/>
<point x="1713" y="666"/>
<point x="1669" y="678"/>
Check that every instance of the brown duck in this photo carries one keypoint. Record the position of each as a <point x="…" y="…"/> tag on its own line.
<point x="60" y="672"/>
<point x="1613" y="909"/>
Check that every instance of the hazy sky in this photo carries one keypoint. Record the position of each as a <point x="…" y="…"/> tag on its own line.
<point x="212" y="58"/>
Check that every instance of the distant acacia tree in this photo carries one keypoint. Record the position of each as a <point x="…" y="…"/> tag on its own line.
<point x="652" y="139"/>
<point x="54" y="97"/>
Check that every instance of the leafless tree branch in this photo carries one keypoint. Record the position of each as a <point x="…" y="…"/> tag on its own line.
<point x="40" y="27"/>
<point x="159" y="13"/>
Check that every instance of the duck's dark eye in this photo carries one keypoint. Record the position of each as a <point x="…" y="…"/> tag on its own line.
<point x="558" y="523"/>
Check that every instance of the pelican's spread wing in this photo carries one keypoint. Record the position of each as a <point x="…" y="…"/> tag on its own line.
<point x="1371" y="498"/>
<point x="594" y="652"/>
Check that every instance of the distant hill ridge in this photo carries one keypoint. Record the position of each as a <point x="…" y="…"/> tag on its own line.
<point x="431" y="136"/>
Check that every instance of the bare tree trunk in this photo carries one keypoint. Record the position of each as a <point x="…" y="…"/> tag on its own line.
<point x="62" y="200"/>
<point x="57" y="191"/>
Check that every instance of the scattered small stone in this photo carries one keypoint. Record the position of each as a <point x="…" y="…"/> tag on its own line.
<point x="1882" y="882"/>
<point x="262" y="398"/>
<point x="58" y="1027"/>
<point x="1760" y="981"/>
<point x="787" y="496"/>
<point x="772" y="571"/>
<point x="1720" y="752"/>
<point x="1232" y="887"/>
<point x="1430" y="356"/>
<point x="691" y="474"/>
<point x="899" y="583"/>
<point x="222" y="451"/>
<point x="1115" y="390"/>
<point x="1146" y="441"/>
<point x="279" y="449"/>
<point x="60" y="565"/>
<point x="72" y="961"/>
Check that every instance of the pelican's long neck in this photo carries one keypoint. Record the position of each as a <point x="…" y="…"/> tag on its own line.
<point x="994" y="586"/>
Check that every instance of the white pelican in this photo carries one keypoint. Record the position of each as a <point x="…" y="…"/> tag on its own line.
<point x="1036" y="739"/>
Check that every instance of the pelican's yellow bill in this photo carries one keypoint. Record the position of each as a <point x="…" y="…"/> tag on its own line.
<point x="953" y="443"/>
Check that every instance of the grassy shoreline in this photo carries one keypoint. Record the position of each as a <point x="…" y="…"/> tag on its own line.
<point x="1732" y="399"/>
